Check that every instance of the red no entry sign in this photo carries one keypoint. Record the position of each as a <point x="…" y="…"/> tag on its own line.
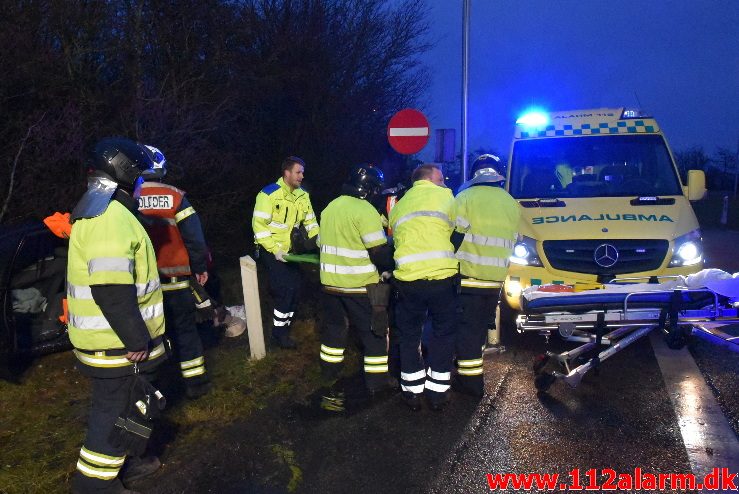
<point x="408" y="131"/>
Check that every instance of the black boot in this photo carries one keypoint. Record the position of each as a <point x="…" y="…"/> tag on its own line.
<point x="138" y="467"/>
<point x="284" y="341"/>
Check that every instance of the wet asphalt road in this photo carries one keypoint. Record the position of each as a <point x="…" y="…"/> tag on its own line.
<point x="620" y="418"/>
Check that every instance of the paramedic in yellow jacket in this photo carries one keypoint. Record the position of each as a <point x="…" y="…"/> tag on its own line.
<point x="427" y="281"/>
<point x="280" y="208"/>
<point x="486" y="228"/>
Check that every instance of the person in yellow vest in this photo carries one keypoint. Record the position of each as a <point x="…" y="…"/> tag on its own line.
<point x="280" y="207"/>
<point x="427" y="281"/>
<point x="116" y="315"/>
<point x="175" y="230"/>
<point x="354" y="251"/>
<point x="484" y="243"/>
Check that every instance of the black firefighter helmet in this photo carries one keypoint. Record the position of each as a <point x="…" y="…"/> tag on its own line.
<point x="365" y="181"/>
<point x="121" y="160"/>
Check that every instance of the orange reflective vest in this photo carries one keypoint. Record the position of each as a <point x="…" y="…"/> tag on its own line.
<point x="59" y="224"/>
<point x="161" y="204"/>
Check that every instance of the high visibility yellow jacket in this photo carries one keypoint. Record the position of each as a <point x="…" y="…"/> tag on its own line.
<point x="422" y="223"/>
<point x="277" y="211"/>
<point x="349" y="226"/>
<point x="111" y="249"/>
<point x="488" y="217"/>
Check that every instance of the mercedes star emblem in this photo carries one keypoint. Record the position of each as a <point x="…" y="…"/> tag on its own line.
<point x="605" y="255"/>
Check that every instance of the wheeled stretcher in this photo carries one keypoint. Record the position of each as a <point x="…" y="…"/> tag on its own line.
<point x="603" y="322"/>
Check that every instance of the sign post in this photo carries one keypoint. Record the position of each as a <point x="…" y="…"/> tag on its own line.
<point x="408" y="131"/>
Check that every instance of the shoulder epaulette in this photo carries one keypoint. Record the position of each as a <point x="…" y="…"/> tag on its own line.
<point x="270" y="188"/>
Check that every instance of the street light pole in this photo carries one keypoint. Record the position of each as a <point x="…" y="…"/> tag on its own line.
<point x="465" y="81"/>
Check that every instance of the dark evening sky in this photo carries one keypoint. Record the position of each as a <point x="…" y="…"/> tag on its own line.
<point x="680" y="58"/>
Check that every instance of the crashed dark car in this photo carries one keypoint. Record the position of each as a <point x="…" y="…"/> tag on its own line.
<point x="33" y="263"/>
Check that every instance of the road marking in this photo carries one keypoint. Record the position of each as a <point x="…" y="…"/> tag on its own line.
<point x="709" y="440"/>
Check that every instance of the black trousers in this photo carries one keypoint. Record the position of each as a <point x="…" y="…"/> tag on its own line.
<point x="478" y="309"/>
<point x="339" y="312"/>
<point x="284" y="287"/>
<point x="439" y="299"/>
<point x="179" y="314"/>
<point x="100" y="462"/>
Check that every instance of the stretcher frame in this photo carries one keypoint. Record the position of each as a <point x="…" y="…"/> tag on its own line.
<point x="603" y="332"/>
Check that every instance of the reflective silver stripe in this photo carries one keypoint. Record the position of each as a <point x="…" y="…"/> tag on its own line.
<point x="332" y="351"/>
<point x="476" y="371"/>
<point x="469" y="363"/>
<point x="413" y="376"/>
<point x="339" y="289"/>
<point x="488" y="241"/>
<point x="101" y="473"/>
<point x="168" y="287"/>
<point x="119" y="264"/>
<point x="101" y="459"/>
<point x="341" y="251"/>
<point x="309" y="216"/>
<point x="161" y="221"/>
<point x="279" y="226"/>
<point x="375" y="360"/>
<point x="97" y="361"/>
<point x="424" y="256"/>
<point x="333" y="268"/>
<point x="189" y="211"/>
<point x="373" y="237"/>
<point x="417" y="214"/>
<point x="192" y="363"/>
<point x="280" y="323"/>
<point x="440" y="388"/>
<point x="462" y="222"/>
<point x="85" y="293"/>
<point x="260" y="214"/>
<point x="282" y="315"/>
<point x="375" y="369"/>
<point x="482" y="260"/>
<point x="474" y="283"/>
<point x="99" y="322"/>
<point x="198" y="371"/>
<point x="441" y="376"/>
<point x="262" y="234"/>
<point x="311" y="226"/>
<point x="175" y="270"/>
<point x="416" y="389"/>
<point x="331" y="358"/>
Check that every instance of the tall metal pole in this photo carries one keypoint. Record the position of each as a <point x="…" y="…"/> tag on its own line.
<point x="465" y="81"/>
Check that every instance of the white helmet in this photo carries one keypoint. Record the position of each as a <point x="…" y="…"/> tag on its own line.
<point x="159" y="170"/>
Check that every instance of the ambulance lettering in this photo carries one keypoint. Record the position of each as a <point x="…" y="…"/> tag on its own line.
<point x="540" y="220"/>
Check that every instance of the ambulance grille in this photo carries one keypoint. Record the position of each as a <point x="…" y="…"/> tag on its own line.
<point x="634" y="256"/>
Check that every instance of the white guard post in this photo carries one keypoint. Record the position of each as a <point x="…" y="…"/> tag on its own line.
<point x="250" y="287"/>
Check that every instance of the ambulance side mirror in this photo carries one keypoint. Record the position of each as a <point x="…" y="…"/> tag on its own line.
<point x="696" y="185"/>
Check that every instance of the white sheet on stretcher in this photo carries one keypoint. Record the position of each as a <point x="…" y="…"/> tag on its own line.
<point x="717" y="280"/>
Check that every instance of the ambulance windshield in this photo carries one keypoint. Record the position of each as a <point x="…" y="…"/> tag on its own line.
<point x="593" y="166"/>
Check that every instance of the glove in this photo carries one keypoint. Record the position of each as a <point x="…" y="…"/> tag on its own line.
<point x="133" y="428"/>
<point x="280" y="255"/>
<point x="379" y="297"/>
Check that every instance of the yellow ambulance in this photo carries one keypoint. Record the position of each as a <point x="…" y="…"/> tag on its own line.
<point x="601" y="198"/>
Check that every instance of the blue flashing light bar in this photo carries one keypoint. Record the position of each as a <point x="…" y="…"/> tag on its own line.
<point x="533" y="118"/>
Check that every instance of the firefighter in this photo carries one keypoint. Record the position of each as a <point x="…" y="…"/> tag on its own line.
<point x="116" y="316"/>
<point x="485" y="242"/>
<point x="354" y="251"/>
<point x="175" y="230"/>
<point x="281" y="207"/>
<point x="427" y="282"/>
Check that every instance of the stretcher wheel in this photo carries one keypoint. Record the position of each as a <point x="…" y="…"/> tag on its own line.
<point x="539" y="362"/>
<point x="543" y="382"/>
<point x="676" y="339"/>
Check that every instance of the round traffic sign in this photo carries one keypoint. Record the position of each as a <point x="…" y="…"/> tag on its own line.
<point x="408" y="131"/>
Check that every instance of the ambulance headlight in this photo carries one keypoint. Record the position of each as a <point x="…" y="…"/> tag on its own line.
<point x="524" y="252"/>
<point x="688" y="250"/>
